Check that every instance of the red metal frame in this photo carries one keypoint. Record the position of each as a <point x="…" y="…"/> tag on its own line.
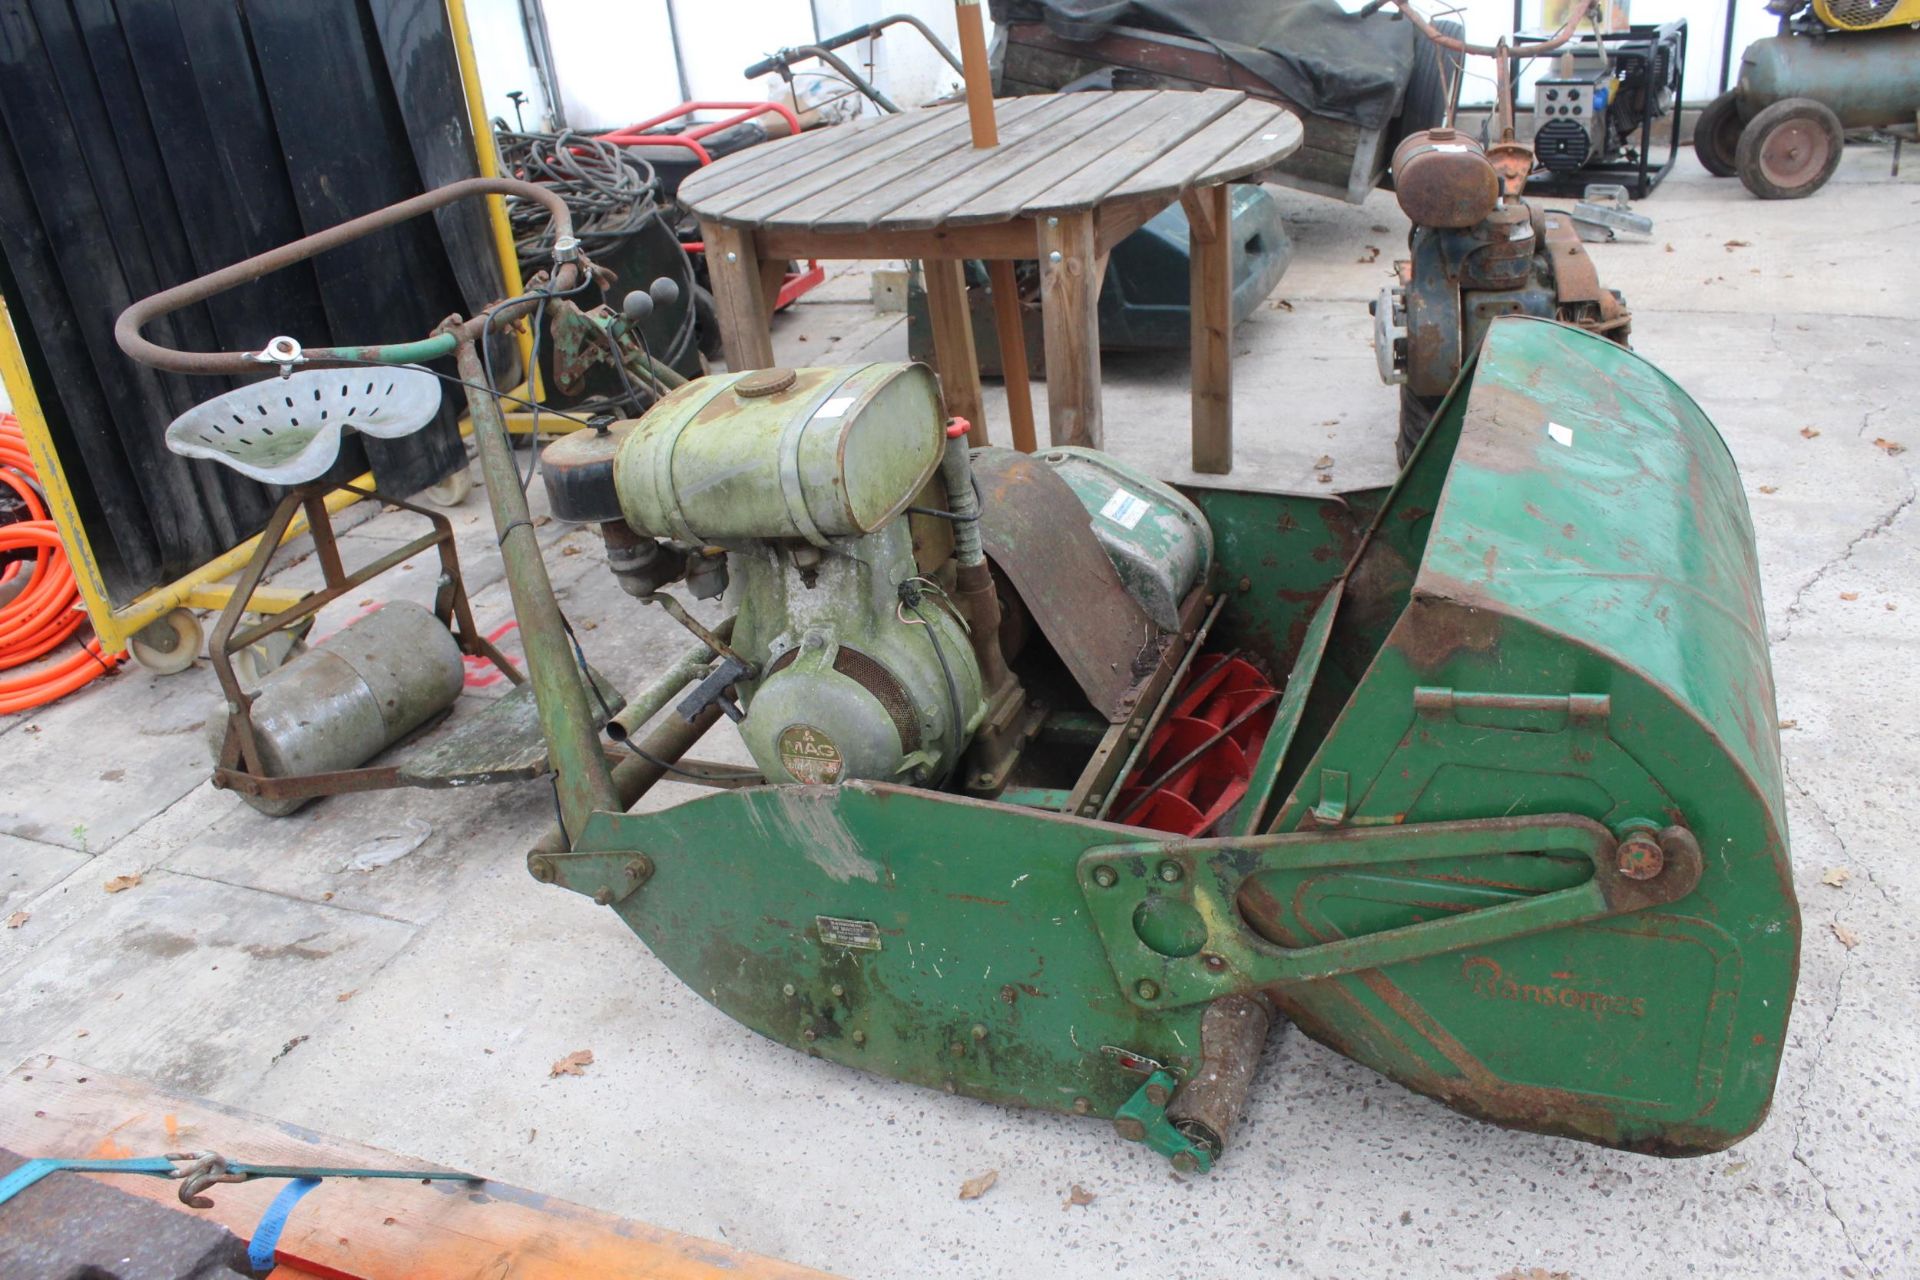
<point x="638" y="135"/>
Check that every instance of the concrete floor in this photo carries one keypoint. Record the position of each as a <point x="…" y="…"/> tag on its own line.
<point x="419" y="1006"/>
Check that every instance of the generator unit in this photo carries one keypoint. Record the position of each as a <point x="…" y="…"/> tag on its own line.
<point x="1595" y="107"/>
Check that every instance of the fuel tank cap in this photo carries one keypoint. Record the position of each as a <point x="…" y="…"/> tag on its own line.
<point x="763" y="382"/>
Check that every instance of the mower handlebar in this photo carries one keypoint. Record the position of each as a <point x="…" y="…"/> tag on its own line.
<point x="126" y="330"/>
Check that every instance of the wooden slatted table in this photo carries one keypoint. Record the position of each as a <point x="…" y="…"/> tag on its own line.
<point x="1074" y="174"/>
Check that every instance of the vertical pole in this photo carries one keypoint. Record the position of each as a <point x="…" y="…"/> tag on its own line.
<point x="1210" y="302"/>
<point x="1070" y="314"/>
<point x="582" y="779"/>
<point x="1007" y="316"/>
<point x="954" y="355"/>
<point x="739" y="294"/>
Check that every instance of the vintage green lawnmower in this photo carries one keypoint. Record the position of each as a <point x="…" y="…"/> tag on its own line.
<point x="1072" y="787"/>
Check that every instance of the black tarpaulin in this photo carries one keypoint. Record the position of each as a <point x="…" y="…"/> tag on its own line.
<point x="1332" y="63"/>
<point x="145" y="142"/>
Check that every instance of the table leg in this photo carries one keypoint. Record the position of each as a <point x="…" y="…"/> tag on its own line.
<point x="739" y="295"/>
<point x="1070" y="316"/>
<point x="1009" y="318"/>
<point x="1210" y="284"/>
<point x="954" y="356"/>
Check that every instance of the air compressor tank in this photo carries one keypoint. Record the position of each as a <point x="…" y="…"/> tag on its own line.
<point x="1868" y="80"/>
<point x="353" y="695"/>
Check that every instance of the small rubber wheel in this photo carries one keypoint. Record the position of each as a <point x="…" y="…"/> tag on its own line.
<point x="453" y="490"/>
<point x="1716" y="135"/>
<point x="1416" y="415"/>
<point x="1790" y="149"/>
<point x="168" y="645"/>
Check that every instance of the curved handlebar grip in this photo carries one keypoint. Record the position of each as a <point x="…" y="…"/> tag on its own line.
<point x="126" y="330"/>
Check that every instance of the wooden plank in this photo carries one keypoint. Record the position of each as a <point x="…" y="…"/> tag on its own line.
<point x="1070" y="319"/>
<point x="775" y="199"/>
<point x="1265" y="149"/>
<point x="1011" y="330"/>
<point x="739" y="295"/>
<point x="1017" y="184"/>
<point x="955" y="358"/>
<point x="1181" y="116"/>
<point x="912" y="192"/>
<point x="990" y="240"/>
<point x="1210" y="275"/>
<point x="1115" y="220"/>
<point x="387" y="1228"/>
<point x="722" y="181"/>
<point x="1247" y="127"/>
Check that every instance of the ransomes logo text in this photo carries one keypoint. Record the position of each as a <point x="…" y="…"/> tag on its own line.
<point x="1491" y="982"/>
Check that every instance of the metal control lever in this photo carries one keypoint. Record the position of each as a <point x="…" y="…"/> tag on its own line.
<point x="729" y="672"/>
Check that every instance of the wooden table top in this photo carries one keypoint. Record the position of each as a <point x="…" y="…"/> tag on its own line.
<point x="1058" y="153"/>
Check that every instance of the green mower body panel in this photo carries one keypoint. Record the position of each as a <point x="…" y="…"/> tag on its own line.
<point x="1546" y="645"/>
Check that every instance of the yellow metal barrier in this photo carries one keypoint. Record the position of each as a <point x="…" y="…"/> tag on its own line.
<point x="203" y="588"/>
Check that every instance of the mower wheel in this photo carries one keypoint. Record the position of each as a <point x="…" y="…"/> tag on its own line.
<point x="1716" y="135"/>
<point x="1416" y="415"/>
<point x="168" y="645"/>
<point x="1790" y="149"/>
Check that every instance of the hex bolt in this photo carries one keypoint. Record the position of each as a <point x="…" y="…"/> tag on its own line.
<point x="837" y="990"/>
<point x="787" y="991"/>
<point x="1170" y="872"/>
<point x="1133" y="731"/>
<point x="1185" y="1162"/>
<point x="1130" y="1129"/>
<point x="1106" y="877"/>
<point x="639" y="869"/>
<point x="1157" y="1094"/>
<point x="542" y="869"/>
<point x="1246" y="584"/>
<point x="603" y="896"/>
<point x="983" y="780"/>
<point x="859" y="1037"/>
<point x="1214" y="963"/>
<point x="809" y="1035"/>
<point x="1148" y="989"/>
<point x="979" y="1031"/>
<point x="1082" y="1106"/>
<point x="1640" y="856"/>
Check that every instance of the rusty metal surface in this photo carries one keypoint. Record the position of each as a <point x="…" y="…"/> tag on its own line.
<point x="1233" y="1034"/>
<point x="1041" y="538"/>
<point x="1442" y="178"/>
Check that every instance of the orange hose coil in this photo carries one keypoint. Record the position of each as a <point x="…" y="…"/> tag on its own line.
<point x="46" y="611"/>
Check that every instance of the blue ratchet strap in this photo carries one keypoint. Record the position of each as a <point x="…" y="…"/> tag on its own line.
<point x="34" y="1170"/>
<point x="266" y="1236"/>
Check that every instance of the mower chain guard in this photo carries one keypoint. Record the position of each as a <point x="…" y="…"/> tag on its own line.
<point x="1167" y="912"/>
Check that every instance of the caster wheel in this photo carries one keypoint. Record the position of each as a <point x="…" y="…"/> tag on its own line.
<point x="452" y="491"/>
<point x="168" y="646"/>
<point x="1790" y="149"/>
<point x="1716" y="136"/>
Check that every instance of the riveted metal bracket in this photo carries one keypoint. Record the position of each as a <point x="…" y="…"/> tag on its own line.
<point x="607" y="878"/>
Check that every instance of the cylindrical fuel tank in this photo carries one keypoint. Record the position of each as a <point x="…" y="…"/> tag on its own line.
<point x="782" y="453"/>
<point x="1868" y="79"/>
<point x="1442" y="178"/>
<point x="353" y="695"/>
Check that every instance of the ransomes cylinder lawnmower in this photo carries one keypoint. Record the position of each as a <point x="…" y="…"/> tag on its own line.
<point x="1072" y="788"/>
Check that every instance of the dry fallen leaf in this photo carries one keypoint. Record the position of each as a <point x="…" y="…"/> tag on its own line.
<point x="1371" y="255"/>
<point x="1324" y="477"/>
<point x="1848" y="938"/>
<point x="1849" y="595"/>
<point x="1892" y="607"/>
<point x="1836" y="876"/>
<point x="1769" y="488"/>
<point x="1669" y="248"/>
<point x="18" y="918"/>
<point x="345" y="996"/>
<point x="974" y="1188"/>
<point x="1789" y="724"/>
<point x="1889" y="446"/>
<point x="289" y="1047"/>
<point x="570" y="551"/>
<point x="120" y="884"/>
<point x="1809" y="432"/>
<point x="574" y="1064"/>
<point x="1079" y="1196"/>
<point x="1281" y="304"/>
<point x="1323" y="463"/>
<point x="1731" y="245"/>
